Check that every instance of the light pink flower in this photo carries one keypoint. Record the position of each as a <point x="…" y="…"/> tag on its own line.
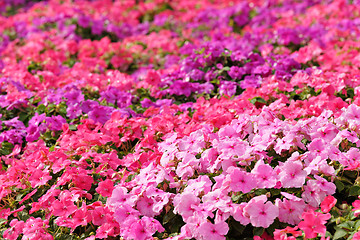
<point x="313" y="194"/>
<point x="290" y="211"/>
<point x="185" y="204"/>
<point x="239" y="214"/>
<point x="292" y="174"/>
<point x="261" y="214"/>
<point x="264" y="174"/>
<point x="241" y="180"/>
<point x="213" y="231"/>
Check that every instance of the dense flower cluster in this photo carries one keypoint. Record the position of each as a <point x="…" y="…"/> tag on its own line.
<point x="179" y="119"/>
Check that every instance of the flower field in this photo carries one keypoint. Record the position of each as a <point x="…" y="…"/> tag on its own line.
<point x="181" y="119"/>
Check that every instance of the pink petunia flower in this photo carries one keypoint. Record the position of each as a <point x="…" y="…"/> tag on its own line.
<point x="241" y="180"/>
<point x="213" y="231"/>
<point x="292" y="174"/>
<point x="313" y="193"/>
<point x="264" y="173"/>
<point x="290" y="210"/>
<point x="185" y="204"/>
<point x="261" y="214"/>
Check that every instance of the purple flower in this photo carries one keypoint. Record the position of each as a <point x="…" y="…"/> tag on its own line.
<point x="171" y="60"/>
<point x="84" y="21"/>
<point x="238" y="55"/>
<point x="54" y="123"/>
<point x="186" y="106"/>
<point x="54" y="97"/>
<point x="124" y="100"/>
<point x="196" y="74"/>
<point x="20" y="28"/>
<point x="88" y="105"/>
<point x="74" y="96"/>
<point x="228" y="88"/>
<point x="241" y="20"/>
<point x="210" y="75"/>
<point x="236" y="72"/>
<point x="114" y="95"/>
<point x="181" y="88"/>
<point x="97" y="27"/>
<point x="15" y="123"/>
<point x="126" y="112"/>
<point x="287" y="36"/>
<point x="205" y="88"/>
<point x="141" y="29"/>
<point x="37" y="119"/>
<point x="73" y="111"/>
<point x="100" y="113"/>
<point x="146" y="103"/>
<point x="163" y="102"/>
<point x="251" y="81"/>
<point x="13" y="135"/>
<point x="262" y="70"/>
<point x="160" y="20"/>
<point x="33" y="133"/>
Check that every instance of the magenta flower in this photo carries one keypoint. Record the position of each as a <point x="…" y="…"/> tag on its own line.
<point x="105" y="230"/>
<point x="64" y="207"/>
<point x="105" y="188"/>
<point x="145" y="206"/>
<point x="138" y="230"/>
<point x="328" y="203"/>
<point x="16" y="228"/>
<point x="314" y="223"/>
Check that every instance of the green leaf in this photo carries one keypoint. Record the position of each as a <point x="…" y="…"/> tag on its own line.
<point x="258" y="231"/>
<point x="339" y="185"/>
<point x="225" y="68"/>
<point x="236" y="197"/>
<point x="340" y="233"/>
<point x="3" y="221"/>
<point x="348" y="225"/>
<point x="41" y="108"/>
<point x="6" y="148"/>
<point x="235" y="225"/>
<point x="260" y="191"/>
<point x="72" y="127"/>
<point x="275" y="192"/>
<point x="52" y="148"/>
<point x="168" y="217"/>
<point x="258" y="99"/>
<point x="354" y="191"/>
<point x="23" y="215"/>
<point x="357" y="225"/>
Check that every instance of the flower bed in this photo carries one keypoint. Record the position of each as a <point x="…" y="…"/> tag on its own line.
<point x="179" y="119"/>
